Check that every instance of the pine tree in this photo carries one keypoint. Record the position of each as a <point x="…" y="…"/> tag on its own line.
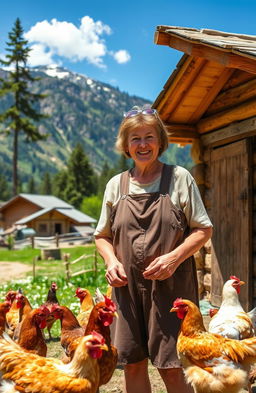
<point x="81" y="179"/>
<point x="46" y="186"/>
<point x="31" y="186"/>
<point x="5" y="193"/>
<point x="21" y="115"/>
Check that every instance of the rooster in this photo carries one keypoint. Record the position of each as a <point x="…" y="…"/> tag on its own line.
<point x="212" y="363"/>
<point x="50" y="301"/>
<point x="30" y="335"/>
<point x="4" y="308"/>
<point x="231" y="320"/>
<point x="27" y="372"/>
<point x="86" y="305"/>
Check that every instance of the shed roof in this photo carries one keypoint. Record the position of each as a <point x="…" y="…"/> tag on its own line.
<point x="212" y="59"/>
<point x="43" y="201"/>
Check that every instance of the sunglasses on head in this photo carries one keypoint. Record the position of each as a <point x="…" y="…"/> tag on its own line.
<point x="135" y="112"/>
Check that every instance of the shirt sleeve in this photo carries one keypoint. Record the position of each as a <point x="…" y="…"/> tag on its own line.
<point x="194" y="208"/>
<point x="111" y="195"/>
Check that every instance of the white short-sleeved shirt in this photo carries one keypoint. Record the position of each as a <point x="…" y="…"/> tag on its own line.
<point x="183" y="192"/>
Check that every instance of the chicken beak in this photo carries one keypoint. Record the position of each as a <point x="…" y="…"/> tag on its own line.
<point x="174" y="309"/>
<point x="104" y="347"/>
<point x="241" y="283"/>
<point x="115" y="314"/>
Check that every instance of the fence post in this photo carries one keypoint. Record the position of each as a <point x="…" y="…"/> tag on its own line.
<point x="34" y="267"/>
<point x="67" y="263"/>
<point x="32" y="242"/>
<point x="57" y="240"/>
<point x="95" y="264"/>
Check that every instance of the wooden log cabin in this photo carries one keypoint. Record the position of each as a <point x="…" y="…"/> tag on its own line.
<point x="209" y="101"/>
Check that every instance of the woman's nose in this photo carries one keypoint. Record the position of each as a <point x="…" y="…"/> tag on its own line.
<point x="143" y="142"/>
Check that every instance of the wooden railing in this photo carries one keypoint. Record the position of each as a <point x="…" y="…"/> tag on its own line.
<point x="85" y="257"/>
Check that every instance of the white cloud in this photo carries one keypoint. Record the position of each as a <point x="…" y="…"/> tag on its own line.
<point x="39" y="56"/>
<point x="66" y="40"/>
<point x="121" y="56"/>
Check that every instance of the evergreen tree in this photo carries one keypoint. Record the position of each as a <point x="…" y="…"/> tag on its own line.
<point x="59" y="184"/>
<point x="46" y="186"/>
<point x="5" y="193"/>
<point x="31" y="186"/>
<point x="81" y="179"/>
<point x="21" y="115"/>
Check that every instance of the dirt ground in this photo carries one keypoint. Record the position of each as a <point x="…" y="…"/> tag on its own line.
<point x="13" y="270"/>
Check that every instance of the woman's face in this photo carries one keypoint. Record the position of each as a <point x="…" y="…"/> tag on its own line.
<point x="143" y="145"/>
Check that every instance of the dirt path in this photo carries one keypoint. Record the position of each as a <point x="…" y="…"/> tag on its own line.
<point x="13" y="270"/>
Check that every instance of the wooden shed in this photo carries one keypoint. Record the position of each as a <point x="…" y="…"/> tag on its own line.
<point x="209" y="101"/>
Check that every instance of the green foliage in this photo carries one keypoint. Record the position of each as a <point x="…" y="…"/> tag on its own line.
<point x="31" y="188"/>
<point x="21" y="114"/>
<point x="46" y="185"/>
<point x="78" y="181"/>
<point x="5" y="193"/>
<point x="92" y="206"/>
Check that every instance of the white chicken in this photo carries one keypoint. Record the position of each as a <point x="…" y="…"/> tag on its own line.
<point x="231" y="320"/>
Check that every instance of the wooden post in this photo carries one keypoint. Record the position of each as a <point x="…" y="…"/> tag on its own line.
<point x="34" y="267"/>
<point x="57" y="239"/>
<point x="32" y="242"/>
<point x="95" y="264"/>
<point x="67" y="263"/>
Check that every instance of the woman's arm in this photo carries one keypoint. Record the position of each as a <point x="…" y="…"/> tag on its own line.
<point x="164" y="266"/>
<point x="115" y="273"/>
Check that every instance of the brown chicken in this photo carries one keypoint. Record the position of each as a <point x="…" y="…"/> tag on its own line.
<point x="30" y="373"/>
<point x="212" y="363"/>
<point x="30" y="335"/>
<point x="86" y="305"/>
<point x="12" y="317"/>
<point x="100" y="319"/>
<point x="4" y="308"/>
<point x="70" y="329"/>
<point x="24" y="307"/>
<point x="50" y="301"/>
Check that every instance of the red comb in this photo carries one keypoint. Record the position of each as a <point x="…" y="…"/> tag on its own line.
<point x="234" y="278"/>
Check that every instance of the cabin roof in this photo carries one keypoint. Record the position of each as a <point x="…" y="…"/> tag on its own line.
<point x="212" y="61"/>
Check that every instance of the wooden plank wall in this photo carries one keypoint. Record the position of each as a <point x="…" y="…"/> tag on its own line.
<point x="254" y="219"/>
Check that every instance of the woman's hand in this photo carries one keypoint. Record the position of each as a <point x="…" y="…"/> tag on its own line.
<point x="115" y="275"/>
<point x="161" y="268"/>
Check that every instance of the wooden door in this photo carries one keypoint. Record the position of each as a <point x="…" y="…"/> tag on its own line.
<point x="231" y="216"/>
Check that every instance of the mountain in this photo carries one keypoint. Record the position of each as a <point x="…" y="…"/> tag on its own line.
<point x="80" y="109"/>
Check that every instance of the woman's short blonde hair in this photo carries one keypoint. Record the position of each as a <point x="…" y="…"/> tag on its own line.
<point x="138" y="121"/>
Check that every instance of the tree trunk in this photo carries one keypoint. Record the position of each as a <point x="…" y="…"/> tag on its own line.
<point x="15" y="160"/>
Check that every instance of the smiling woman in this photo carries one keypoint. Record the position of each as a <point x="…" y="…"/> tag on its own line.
<point x="152" y="222"/>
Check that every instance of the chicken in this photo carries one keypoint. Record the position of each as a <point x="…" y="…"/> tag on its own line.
<point x="24" y="307"/>
<point x="12" y="317"/>
<point x="231" y="320"/>
<point x="30" y="335"/>
<point x="70" y="329"/>
<point x="4" y="308"/>
<point x="86" y="305"/>
<point x="212" y="363"/>
<point x="100" y="319"/>
<point x="50" y="301"/>
<point x="27" y="372"/>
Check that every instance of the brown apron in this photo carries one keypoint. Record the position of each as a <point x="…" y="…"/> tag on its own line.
<point x="145" y="226"/>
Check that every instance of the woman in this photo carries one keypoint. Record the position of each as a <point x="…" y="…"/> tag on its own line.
<point x="152" y="221"/>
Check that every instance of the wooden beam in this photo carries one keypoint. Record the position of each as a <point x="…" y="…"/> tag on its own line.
<point x="182" y="133"/>
<point x="221" y="119"/>
<point x="220" y="55"/>
<point x="230" y="133"/>
<point x="233" y="97"/>
<point x="211" y="94"/>
<point x="179" y="89"/>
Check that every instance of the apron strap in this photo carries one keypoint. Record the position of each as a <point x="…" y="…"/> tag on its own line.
<point x="166" y="179"/>
<point x="124" y="183"/>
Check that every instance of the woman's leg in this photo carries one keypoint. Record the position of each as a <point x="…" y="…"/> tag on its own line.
<point x="174" y="380"/>
<point x="136" y="379"/>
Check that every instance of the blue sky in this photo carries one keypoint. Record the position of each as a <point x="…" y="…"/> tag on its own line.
<point x="112" y="41"/>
